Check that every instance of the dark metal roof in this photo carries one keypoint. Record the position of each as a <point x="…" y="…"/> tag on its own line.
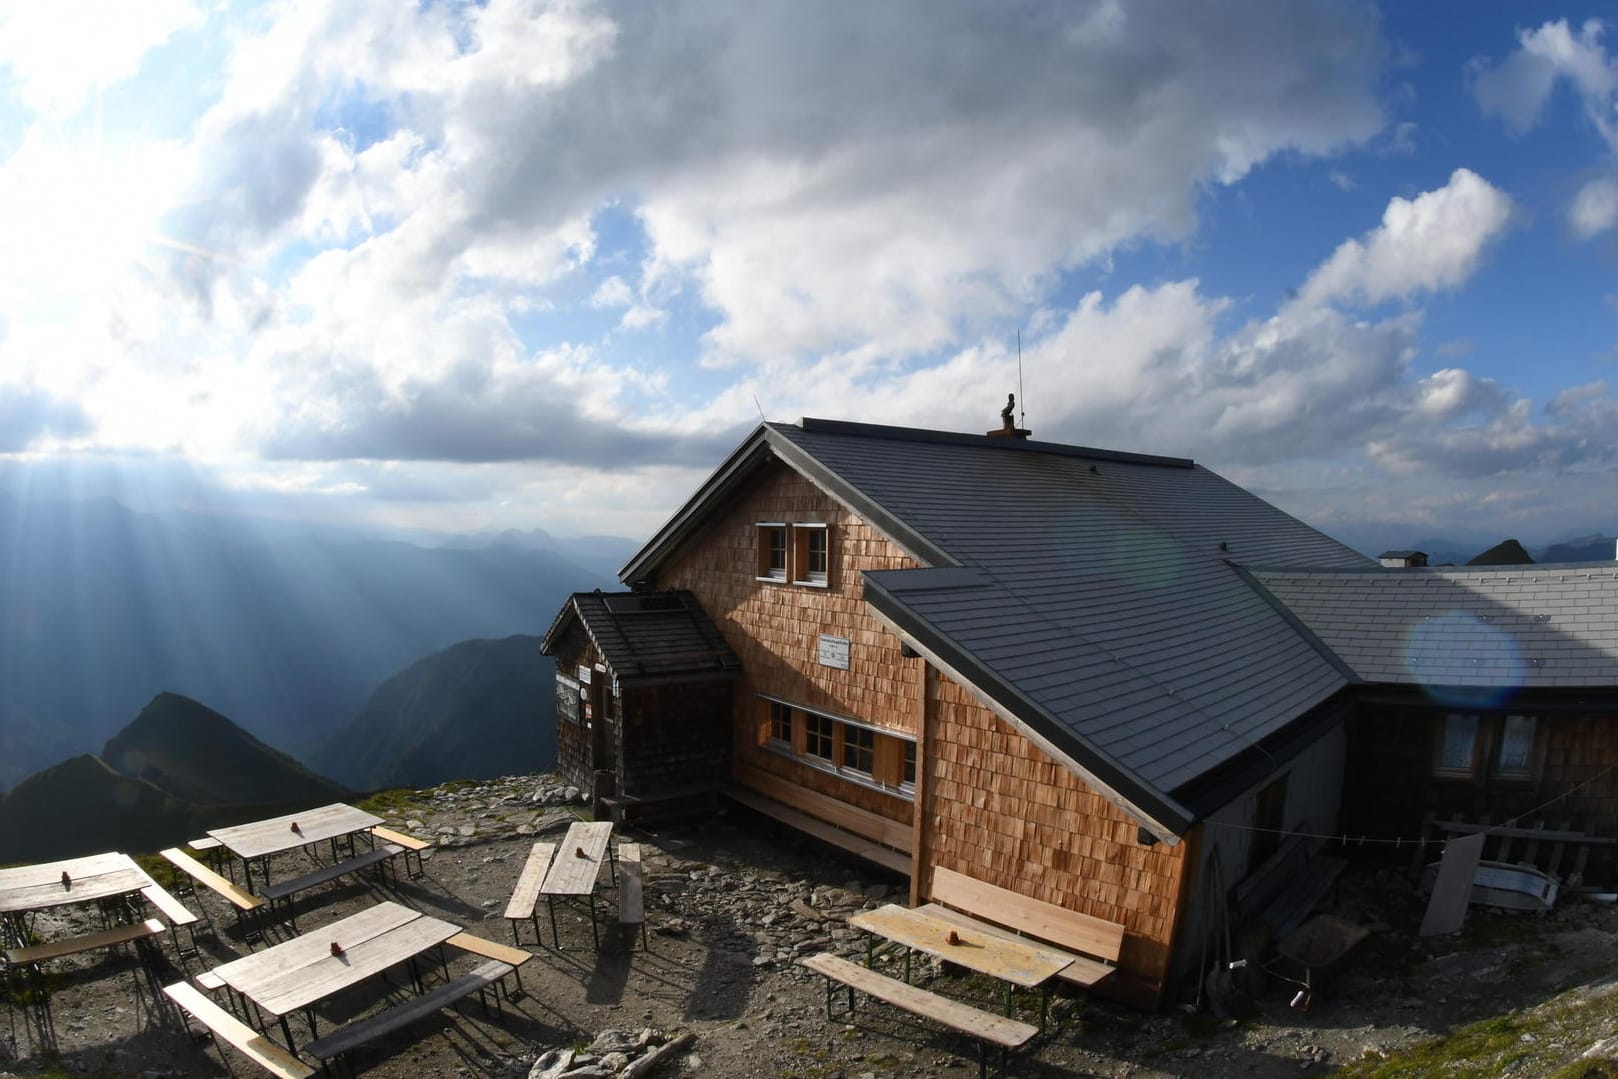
<point x="646" y="634"/>
<point x="1093" y="595"/>
<point x="1103" y="606"/>
<point x="1490" y="627"/>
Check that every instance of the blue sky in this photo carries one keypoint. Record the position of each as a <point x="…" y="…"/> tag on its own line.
<point x="521" y="264"/>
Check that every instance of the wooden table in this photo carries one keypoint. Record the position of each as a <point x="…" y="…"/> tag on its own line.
<point x="298" y="973"/>
<point x="26" y="890"/>
<point x="29" y="888"/>
<point x="1012" y="962"/>
<point x="574" y="870"/>
<point x="257" y="840"/>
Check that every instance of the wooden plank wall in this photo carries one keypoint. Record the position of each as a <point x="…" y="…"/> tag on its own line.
<point x="775" y="628"/>
<point x="1000" y="810"/>
<point x="674" y="737"/>
<point x="573" y="739"/>
<point x="1389" y="785"/>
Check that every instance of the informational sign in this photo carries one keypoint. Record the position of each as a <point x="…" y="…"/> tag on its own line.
<point x="585" y="674"/>
<point x="834" y="652"/>
<point x="567" y="699"/>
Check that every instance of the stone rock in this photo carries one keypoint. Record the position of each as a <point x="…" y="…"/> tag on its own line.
<point x="552" y="1064"/>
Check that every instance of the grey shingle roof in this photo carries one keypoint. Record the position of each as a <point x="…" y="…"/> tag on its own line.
<point x="1497" y="627"/>
<point x="1093" y="598"/>
<point x="647" y="634"/>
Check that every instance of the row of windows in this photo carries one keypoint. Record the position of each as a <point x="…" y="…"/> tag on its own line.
<point x="1501" y="747"/>
<point x="847" y="748"/>
<point x="800" y="553"/>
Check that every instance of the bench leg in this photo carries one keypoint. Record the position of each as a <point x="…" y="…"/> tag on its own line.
<point x="550" y="903"/>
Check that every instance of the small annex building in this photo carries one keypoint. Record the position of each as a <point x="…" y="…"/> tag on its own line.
<point x="1110" y="681"/>
<point x="643" y="698"/>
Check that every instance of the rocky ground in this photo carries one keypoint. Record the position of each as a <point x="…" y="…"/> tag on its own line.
<point x="732" y="901"/>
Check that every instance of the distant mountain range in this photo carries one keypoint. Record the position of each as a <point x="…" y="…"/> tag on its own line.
<point x="175" y="771"/>
<point x="1592" y="548"/>
<point x="287" y="631"/>
<point x="476" y="710"/>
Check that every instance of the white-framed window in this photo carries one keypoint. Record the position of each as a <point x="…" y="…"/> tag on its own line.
<point x="1497" y="747"/>
<point x="780" y="724"/>
<point x="820" y="736"/>
<point x="772" y="551"/>
<point x="811" y="554"/>
<point x="866" y="755"/>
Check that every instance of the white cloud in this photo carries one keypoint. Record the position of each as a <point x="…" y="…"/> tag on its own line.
<point x="1594" y="209"/>
<point x="58" y="52"/>
<point x="612" y="292"/>
<point x="1518" y="88"/>
<point x="1434" y="241"/>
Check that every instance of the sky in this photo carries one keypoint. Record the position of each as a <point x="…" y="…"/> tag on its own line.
<point x="477" y="266"/>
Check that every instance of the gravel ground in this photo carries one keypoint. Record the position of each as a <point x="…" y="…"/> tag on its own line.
<point x="732" y="901"/>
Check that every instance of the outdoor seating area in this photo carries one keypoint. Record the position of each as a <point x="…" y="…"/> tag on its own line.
<point x="266" y="991"/>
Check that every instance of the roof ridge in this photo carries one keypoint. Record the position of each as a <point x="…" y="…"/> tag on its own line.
<point x="813" y="425"/>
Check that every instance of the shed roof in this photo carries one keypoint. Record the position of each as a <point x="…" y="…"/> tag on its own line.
<point x="646" y="634"/>
<point x="1492" y="627"/>
<point x="1092" y="595"/>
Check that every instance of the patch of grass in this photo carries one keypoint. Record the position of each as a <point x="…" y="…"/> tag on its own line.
<point x="398" y="802"/>
<point x="1533" y="1042"/>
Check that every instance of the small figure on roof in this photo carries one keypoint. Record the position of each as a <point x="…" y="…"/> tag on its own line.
<point x="1008" y="412"/>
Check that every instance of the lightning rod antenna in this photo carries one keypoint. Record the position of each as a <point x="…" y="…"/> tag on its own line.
<point x="1022" y="398"/>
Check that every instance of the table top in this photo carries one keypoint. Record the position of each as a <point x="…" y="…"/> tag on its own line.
<point x="303" y="970"/>
<point x="1019" y="962"/>
<point x="578" y="858"/>
<point x="272" y="836"/>
<point x="96" y="876"/>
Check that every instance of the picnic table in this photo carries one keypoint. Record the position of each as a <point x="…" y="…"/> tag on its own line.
<point x="298" y="973"/>
<point x="257" y="840"/>
<point x="1011" y="961"/>
<point x="97" y="878"/>
<point x="575" y="868"/>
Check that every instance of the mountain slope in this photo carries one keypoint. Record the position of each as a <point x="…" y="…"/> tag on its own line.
<point x="82" y="806"/>
<point x="479" y="709"/>
<point x="197" y="755"/>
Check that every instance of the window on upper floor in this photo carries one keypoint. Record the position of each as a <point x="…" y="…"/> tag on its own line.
<point x="799" y="553"/>
<point x="772" y="551"/>
<point x="811" y="550"/>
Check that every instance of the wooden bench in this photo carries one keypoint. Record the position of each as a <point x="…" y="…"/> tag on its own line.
<point x="411" y="845"/>
<point x="249" y="1042"/>
<point x="216" y="852"/>
<point x="1007" y="1034"/>
<point x="631" y="894"/>
<point x="490" y="949"/>
<point x="245" y="904"/>
<point x="341" y="1042"/>
<point x="860" y="832"/>
<point x="178" y="915"/>
<point x="1094" y="943"/>
<point x="525" y="896"/>
<point x="287" y="889"/>
<point x="105" y="938"/>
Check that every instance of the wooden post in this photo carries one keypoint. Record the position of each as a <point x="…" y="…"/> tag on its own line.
<point x="919" y="845"/>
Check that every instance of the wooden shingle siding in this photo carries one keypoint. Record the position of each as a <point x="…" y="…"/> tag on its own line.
<point x="573" y="739"/>
<point x="775" y="628"/>
<point x="1001" y="811"/>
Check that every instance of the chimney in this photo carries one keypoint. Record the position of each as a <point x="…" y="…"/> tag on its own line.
<point x="1402" y="559"/>
<point x="1008" y="425"/>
